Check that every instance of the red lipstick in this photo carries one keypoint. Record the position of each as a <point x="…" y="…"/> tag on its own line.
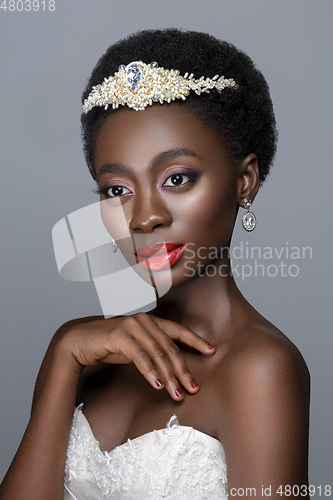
<point x="159" y="256"/>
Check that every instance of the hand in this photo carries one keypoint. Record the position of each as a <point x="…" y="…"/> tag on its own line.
<point x="142" y="339"/>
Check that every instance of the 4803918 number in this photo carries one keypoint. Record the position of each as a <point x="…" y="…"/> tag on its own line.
<point x="303" y="490"/>
<point x="28" y="5"/>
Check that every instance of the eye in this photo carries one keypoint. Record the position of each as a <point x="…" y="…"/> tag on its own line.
<point x="178" y="179"/>
<point x="114" y="191"/>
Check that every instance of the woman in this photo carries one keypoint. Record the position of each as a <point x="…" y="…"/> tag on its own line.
<point x="175" y="156"/>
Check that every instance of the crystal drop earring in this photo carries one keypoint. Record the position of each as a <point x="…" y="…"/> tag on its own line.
<point x="114" y="245"/>
<point x="249" y="220"/>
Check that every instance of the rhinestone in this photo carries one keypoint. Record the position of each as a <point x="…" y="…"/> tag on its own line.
<point x="246" y="202"/>
<point x="137" y="85"/>
<point x="134" y="76"/>
<point x="249" y="221"/>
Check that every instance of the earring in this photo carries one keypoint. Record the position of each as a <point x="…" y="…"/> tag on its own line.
<point x="114" y="245"/>
<point x="249" y="220"/>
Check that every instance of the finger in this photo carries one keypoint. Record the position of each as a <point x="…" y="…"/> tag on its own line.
<point x="177" y="369"/>
<point x="170" y="375"/>
<point x="184" y="334"/>
<point x="126" y="347"/>
<point x="158" y="356"/>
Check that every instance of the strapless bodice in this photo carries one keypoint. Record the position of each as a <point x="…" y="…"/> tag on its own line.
<point x="176" y="463"/>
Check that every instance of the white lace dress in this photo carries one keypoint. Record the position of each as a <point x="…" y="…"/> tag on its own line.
<point x="176" y="463"/>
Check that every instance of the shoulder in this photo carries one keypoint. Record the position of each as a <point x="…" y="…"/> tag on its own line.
<point x="263" y="386"/>
<point x="261" y="354"/>
<point x="263" y="372"/>
<point x="62" y="330"/>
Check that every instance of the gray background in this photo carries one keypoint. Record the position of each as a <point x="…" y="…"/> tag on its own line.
<point x="46" y="58"/>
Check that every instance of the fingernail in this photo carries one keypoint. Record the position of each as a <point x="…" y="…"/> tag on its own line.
<point x="158" y="382"/>
<point x="178" y="393"/>
<point x="210" y="346"/>
<point x="194" y="384"/>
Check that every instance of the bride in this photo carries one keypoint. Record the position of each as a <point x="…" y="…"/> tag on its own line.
<point x="201" y="397"/>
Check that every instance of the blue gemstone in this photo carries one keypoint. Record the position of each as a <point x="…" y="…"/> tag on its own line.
<point x="134" y="76"/>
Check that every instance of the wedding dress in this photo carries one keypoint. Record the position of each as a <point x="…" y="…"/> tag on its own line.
<point x="174" y="463"/>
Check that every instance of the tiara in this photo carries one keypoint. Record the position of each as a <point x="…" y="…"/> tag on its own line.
<point x="138" y="85"/>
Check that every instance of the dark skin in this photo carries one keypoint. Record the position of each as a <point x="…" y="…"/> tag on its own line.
<point x="253" y="387"/>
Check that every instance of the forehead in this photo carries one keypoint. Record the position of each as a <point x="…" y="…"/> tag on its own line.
<point x="136" y="137"/>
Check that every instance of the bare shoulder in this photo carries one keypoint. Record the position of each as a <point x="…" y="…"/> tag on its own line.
<point x="264" y="381"/>
<point x="262" y="392"/>
<point x="62" y="330"/>
<point x="261" y="351"/>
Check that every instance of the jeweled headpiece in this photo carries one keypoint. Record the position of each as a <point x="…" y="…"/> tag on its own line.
<point x="138" y="85"/>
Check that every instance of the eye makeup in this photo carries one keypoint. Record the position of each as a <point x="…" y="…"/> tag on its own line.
<point x="173" y="181"/>
<point x="112" y="191"/>
<point x="177" y="177"/>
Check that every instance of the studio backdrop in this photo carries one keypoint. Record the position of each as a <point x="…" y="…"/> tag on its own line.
<point x="284" y="267"/>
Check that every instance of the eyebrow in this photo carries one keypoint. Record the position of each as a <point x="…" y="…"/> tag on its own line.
<point x="165" y="156"/>
<point x="116" y="168"/>
<point x="172" y="154"/>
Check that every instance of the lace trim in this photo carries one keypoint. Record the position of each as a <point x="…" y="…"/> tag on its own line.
<point x="169" y="462"/>
<point x="172" y="422"/>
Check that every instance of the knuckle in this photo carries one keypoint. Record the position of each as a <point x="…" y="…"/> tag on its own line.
<point x="117" y="334"/>
<point x="140" y="316"/>
<point x="141" y="354"/>
<point x="130" y="322"/>
<point x="173" y="350"/>
<point x="150" y="368"/>
<point x="160" y="353"/>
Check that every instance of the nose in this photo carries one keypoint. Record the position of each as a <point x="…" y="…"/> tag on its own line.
<point x="149" y="212"/>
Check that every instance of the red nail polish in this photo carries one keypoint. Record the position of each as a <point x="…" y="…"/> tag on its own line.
<point x="210" y="346"/>
<point x="158" y="382"/>
<point x="179" y="393"/>
<point x="194" y="384"/>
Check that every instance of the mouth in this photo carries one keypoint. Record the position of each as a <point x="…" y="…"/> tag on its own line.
<point x="159" y="256"/>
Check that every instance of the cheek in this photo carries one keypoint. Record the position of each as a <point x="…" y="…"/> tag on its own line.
<point x="114" y="219"/>
<point x="209" y="212"/>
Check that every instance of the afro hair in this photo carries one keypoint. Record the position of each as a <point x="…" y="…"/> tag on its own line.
<point x="243" y="117"/>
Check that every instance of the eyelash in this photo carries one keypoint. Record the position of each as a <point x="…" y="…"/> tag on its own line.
<point x="193" y="176"/>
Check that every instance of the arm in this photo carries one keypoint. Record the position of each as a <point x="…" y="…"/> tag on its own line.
<point x="46" y="363"/>
<point x="266" y="419"/>
<point x="37" y="471"/>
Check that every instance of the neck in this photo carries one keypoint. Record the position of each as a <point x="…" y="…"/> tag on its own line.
<point x="205" y="304"/>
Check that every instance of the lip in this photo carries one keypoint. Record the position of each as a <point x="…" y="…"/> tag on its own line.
<point x="159" y="256"/>
<point x="156" y="249"/>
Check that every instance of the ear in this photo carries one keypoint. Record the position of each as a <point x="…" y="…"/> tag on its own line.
<point x="248" y="183"/>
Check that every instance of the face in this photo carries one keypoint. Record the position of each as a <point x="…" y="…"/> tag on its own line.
<point x="167" y="185"/>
